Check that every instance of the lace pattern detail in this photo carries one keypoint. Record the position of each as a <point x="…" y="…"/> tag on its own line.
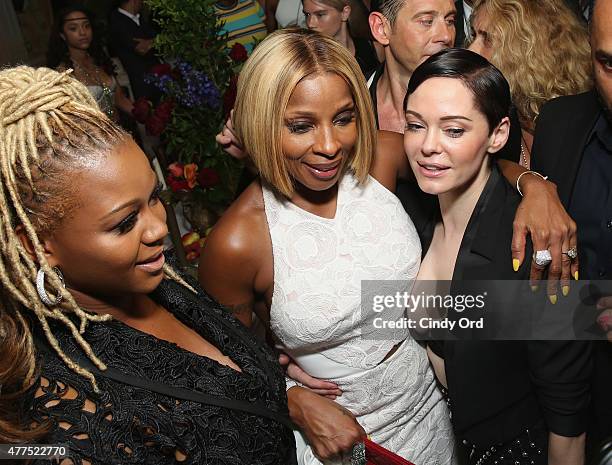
<point x="130" y="425"/>
<point x="319" y="265"/>
<point x="316" y="313"/>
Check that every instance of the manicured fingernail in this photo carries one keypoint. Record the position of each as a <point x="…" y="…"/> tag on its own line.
<point x="565" y="290"/>
<point x="603" y="321"/>
<point x="515" y="264"/>
<point x="535" y="288"/>
<point x="576" y="276"/>
<point x="553" y="299"/>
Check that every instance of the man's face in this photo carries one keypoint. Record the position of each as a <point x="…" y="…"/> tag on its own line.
<point x="601" y="50"/>
<point x="422" y="28"/>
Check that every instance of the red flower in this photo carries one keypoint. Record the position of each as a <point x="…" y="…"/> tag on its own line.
<point x="177" y="185"/>
<point x="155" y="125"/>
<point x="141" y="110"/>
<point x="238" y="53"/>
<point x="229" y="98"/>
<point x="164" y="110"/>
<point x="176" y="169"/>
<point x="161" y="69"/>
<point x="208" y="177"/>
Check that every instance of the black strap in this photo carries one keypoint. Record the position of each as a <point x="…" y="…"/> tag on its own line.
<point x="195" y="396"/>
<point x="178" y="392"/>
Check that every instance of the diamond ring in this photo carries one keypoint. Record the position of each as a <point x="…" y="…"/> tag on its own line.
<point x="571" y="253"/>
<point x="542" y="258"/>
<point x="358" y="454"/>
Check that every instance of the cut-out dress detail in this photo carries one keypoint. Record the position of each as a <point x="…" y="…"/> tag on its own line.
<point x="320" y="265"/>
<point x="130" y="425"/>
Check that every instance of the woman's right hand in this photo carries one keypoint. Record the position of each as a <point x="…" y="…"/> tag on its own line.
<point x="329" y="428"/>
<point x="229" y="141"/>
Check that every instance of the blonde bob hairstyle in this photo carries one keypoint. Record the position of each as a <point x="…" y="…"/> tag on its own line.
<point x="266" y="83"/>
<point x="541" y="48"/>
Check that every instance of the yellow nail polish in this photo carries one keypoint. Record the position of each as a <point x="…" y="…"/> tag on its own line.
<point x="553" y="299"/>
<point x="535" y="288"/>
<point x="515" y="264"/>
<point x="565" y="290"/>
<point x="576" y="276"/>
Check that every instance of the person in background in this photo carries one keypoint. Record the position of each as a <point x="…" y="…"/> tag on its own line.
<point x="334" y="19"/>
<point x="542" y="58"/>
<point x="410" y="31"/>
<point x="243" y="22"/>
<point x="131" y="39"/>
<point x="74" y="43"/>
<point x="463" y="31"/>
<point x="573" y="146"/>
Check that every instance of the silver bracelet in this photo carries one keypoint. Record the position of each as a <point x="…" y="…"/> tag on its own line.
<point x="527" y="172"/>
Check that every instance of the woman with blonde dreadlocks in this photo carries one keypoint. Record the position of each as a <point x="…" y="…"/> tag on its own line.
<point x="102" y="343"/>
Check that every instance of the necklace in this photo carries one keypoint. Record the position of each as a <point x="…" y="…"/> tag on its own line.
<point x="106" y="100"/>
<point x="524" y="153"/>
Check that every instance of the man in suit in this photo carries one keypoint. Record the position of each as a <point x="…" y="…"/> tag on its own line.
<point x="131" y="39"/>
<point x="462" y="22"/>
<point x="573" y="146"/>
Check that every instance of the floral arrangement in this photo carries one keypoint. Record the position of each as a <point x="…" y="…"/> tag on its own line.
<point x="199" y="90"/>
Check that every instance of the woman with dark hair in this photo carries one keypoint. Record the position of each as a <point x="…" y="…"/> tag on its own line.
<point x="512" y="402"/>
<point x="74" y="43"/>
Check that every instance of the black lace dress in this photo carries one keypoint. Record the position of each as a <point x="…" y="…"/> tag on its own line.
<point x="124" y="424"/>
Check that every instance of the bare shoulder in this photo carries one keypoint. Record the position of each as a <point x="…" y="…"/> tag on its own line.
<point x="236" y="261"/>
<point x="241" y="227"/>
<point x="390" y="162"/>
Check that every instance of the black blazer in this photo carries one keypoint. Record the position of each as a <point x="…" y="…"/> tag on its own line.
<point x="459" y="19"/>
<point x="561" y="135"/>
<point x="500" y="388"/>
<point x="122" y="32"/>
<point x="562" y="132"/>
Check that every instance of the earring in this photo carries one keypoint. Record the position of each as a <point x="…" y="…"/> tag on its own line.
<point x="42" y="292"/>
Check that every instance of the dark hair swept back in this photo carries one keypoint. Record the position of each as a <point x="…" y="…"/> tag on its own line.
<point x="490" y="89"/>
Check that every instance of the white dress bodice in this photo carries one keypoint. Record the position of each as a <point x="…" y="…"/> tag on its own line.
<point x="319" y="264"/>
<point x="316" y="315"/>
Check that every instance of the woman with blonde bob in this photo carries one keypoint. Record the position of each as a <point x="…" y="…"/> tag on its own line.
<point x="542" y="49"/>
<point x="298" y="243"/>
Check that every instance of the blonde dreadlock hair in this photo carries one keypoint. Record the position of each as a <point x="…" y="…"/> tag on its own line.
<point x="49" y="125"/>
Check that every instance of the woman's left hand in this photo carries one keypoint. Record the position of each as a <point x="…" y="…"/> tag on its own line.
<point x="319" y="386"/>
<point x="542" y="215"/>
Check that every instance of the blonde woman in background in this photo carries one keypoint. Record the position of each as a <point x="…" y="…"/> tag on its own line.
<point x="340" y="20"/>
<point x="542" y="49"/>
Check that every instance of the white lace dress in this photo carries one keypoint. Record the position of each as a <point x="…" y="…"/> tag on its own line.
<point x="316" y="316"/>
